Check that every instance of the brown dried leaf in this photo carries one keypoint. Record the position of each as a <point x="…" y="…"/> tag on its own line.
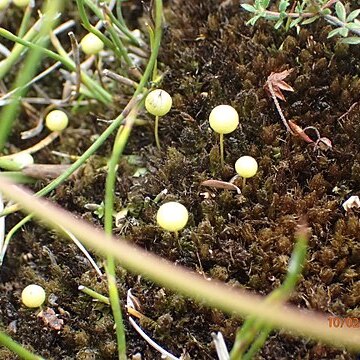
<point x="284" y="86"/>
<point x="221" y="185"/>
<point x="275" y="77"/>
<point x="298" y="131"/>
<point x="275" y="83"/>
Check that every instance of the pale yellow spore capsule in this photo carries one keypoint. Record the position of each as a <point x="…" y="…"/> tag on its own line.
<point x="21" y="3"/>
<point x="158" y="102"/>
<point x="33" y="296"/>
<point x="172" y="216"/>
<point x="4" y="4"/>
<point x="246" y="166"/>
<point x="224" y="119"/>
<point x="91" y="44"/>
<point x="56" y="120"/>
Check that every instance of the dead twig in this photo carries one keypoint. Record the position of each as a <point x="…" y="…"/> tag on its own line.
<point x="348" y="111"/>
<point x="76" y="56"/>
<point x="274" y="84"/>
<point x="221" y="185"/>
<point x="321" y="142"/>
<point x="121" y="79"/>
<point x="40" y="145"/>
<point x="44" y="171"/>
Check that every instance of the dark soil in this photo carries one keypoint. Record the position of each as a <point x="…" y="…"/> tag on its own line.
<point x="210" y="57"/>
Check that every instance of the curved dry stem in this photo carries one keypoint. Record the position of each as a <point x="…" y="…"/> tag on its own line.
<point x="177" y="278"/>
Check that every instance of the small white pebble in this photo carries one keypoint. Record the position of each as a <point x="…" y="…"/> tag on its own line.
<point x="351" y="202"/>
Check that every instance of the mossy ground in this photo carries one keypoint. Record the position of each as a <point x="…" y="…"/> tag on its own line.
<point x="210" y="57"/>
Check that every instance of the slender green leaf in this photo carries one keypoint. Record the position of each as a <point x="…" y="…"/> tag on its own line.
<point x="295" y="22"/>
<point x="284" y="4"/>
<point x="340" y="11"/>
<point x="300" y="7"/>
<point x="353" y="40"/>
<point x="17" y="176"/>
<point x="248" y="8"/>
<point x="17" y="348"/>
<point x="353" y="26"/>
<point x="253" y="20"/>
<point x="310" y="20"/>
<point x="278" y="24"/>
<point x="334" y="32"/>
<point x="344" y="32"/>
<point x="326" y="12"/>
<point x="264" y="3"/>
<point x="353" y="15"/>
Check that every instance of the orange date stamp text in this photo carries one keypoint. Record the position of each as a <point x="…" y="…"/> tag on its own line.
<point x="343" y="322"/>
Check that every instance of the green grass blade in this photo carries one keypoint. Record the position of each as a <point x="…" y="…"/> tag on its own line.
<point x="17" y="348"/>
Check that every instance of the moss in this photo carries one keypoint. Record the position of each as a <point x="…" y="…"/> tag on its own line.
<point x="211" y="58"/>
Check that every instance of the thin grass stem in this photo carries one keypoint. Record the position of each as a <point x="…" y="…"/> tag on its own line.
<point x="95" y="295"/>
<point x="9" y="112"/>
<point x="76" y="56"/>
<point x="101" y="94"/>
<point x="25" y="21"/>
<point x="119" y="146"/>
<point x="119" y="13"/>
<point x="87" y="25"/>
<point x="13" y="57"/>
<point x="121" y="26"/>
<point x="118" y="43"/>
<point x="110" y="261"/>
<point x="253" y="325"/>
<point x="17" y="348"/>
<point x="17" y="176"/>
<point x="258" y="343"/>
<point x="9" y="236"/>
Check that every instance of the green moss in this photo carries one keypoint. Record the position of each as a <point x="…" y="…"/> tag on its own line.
<point x="246" y="240"/>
